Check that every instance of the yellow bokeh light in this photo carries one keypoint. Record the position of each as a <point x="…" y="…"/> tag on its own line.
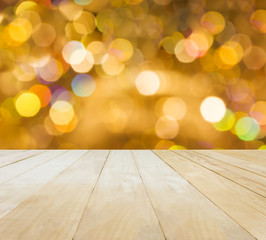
<point x="27" y="104"/>
<point x="24" y="6"/>
<point x="122" y="49"/>
<point x="166" y="128"/>
<point x="181" y="52"/>
<point x="170" y="42"/>
<point x="212" y="109"/>
<point x="255" y="57"/>
<point x="44" y="35"/>
<point x="213" y="22"/>
<point x="148" y="83"/>
<point x="226" y="123"/>
<point x="61" y="112"/>
<point x="84" y="23"/>
<point x="86" y="65"/>
<point x="229" y="54"/>
<point x="98" y="50"/>
<point x="74" y="52"/>
<point x="258" y="20"/>
<point x="20" y="30"/>
<point x="111" y="65"/>
<point x="175" y="107"/>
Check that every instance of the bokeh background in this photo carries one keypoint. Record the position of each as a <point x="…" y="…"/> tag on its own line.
<point x="156" y="74"/>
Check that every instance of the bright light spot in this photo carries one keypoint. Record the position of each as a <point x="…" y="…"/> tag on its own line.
<point x="247" y="128"/>
<point x="28" y="104"/>
<point x="86" y="65"/>
<point x="61" y="113"/>
<point x="213" y="109"/>
<point x="147" y="83"/>
<point x="74" y="52"/>
<point x="83" y="85"/>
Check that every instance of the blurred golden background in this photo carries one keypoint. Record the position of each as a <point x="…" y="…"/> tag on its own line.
<point x="156" y="74"/>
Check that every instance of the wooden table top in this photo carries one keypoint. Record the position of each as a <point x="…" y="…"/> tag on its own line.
<point x="132" y="194"/>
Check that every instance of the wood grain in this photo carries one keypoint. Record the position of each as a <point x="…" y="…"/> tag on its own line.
<point x="13" y="192"/>
<point x="55" y="210"/>
<point x="13" y="170"/>
<point x="248" y="156"/>
<point x="250" y="180"/>
<point x="119" y="207"/>
<point x="19" y="156"/>
<point x="183" y="211"/>
<point x="236" y="162"/>
<point x="244" y="206"/>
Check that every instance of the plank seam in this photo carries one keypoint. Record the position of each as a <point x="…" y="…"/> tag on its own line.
<point x="34" y="167"/>
<point x="233" y="152"/>
<point x="206" y="196"/>
<point x="201" y="154"/>
<point x="148" y="195"/>
<point x="219" y="174"/>
<point x="89" y="198"/>
<point x="21" y="160"/>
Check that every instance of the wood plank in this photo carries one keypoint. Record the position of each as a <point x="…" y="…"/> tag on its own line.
<point x="250" y="180"/>
<point x="55" y="210"/>
<point x="244" y="206"/>
<point x="247" y="156"/>
<point x="119" y="207"/>
<point x="184" y="213"/>
<point x="10" y="171"/>
<point x="10" y="152"/>
<point x="13" y="158"/>
<point x="248" y="166"/>
<point x="13" y="192"/>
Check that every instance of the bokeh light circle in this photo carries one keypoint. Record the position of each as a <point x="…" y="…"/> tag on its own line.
<point x="122" y="49"/>
<point x="175" y="107"/>
<point x="61" y="112"/>
<point x="28" y="104"/>
<point x="166" y="128"/>
<point x="74" y="52"/>
<point x="213" y="22"/>
<point x="247" y="128"/>
<point x="258" y="20"/>
<point x="147" y="83"/>
<point x="226" y="123"/>
<point x="43" y="92"/>
<point x="83" y="85"/>
<point x="213" y="109"/>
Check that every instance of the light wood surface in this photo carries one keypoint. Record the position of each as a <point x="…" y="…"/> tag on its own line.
<point x="242" y="176"/>
<point x="184" y="212"/>
<point x="119" y="207"/>
<point x="245" y="207"/>
<point x="132" y="195"/>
